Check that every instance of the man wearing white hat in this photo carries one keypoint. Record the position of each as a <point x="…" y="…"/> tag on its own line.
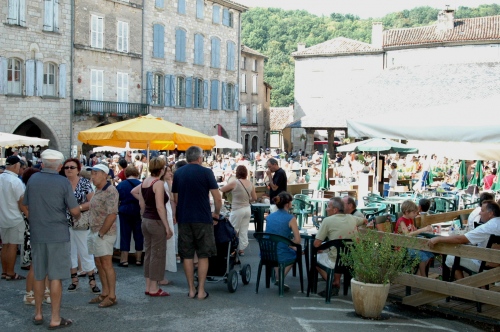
<point x="48" y="195"/>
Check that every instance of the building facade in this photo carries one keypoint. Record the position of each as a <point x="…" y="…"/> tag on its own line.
<point x="255" y="99"/>
<point x="191" y="63"/>
<point x="35" y="63"/>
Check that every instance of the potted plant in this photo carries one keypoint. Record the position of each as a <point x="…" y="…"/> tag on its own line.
<point x="374" y="263"/>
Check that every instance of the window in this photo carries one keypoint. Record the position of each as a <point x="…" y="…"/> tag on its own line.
<point x="230" y="55"/>
<point x="244" y="83"/>
<point x="51" y="15"/>
<point x="243" y="62"/>
<point x="181" y="6"/>
<point x="154" y="88"/>
<point x="227" y="17"/>
<point x="96" y="84"/>
<point x="158" y="41"/>
<point x="214" y="95"/>
<point x="180" y="92"/>
<point x="17" y="12"/>
<point x="180" y="45"/>
<point x="216" y="14"/>
<point x="254" y="65"/>
<point x="243" y="108"/>
<point x="215" y="56"/>
<point x="228" y="94"/>
<point x="14" y="85"/>
<point x="97" y="31"/>
<point x="49" y="79"/>
<point x="122" y="87"/>
<point x="159" y="4"/>
<point x="122" y="37"/>
<point x="198" y="50"/>
<point x="200" y="9"/>
<point x="254" y="114"/>
<point x="254" y="84"/>
<point x="199" y="93"/>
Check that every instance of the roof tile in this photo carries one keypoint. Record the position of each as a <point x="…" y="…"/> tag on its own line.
<point x="339" y="45"/>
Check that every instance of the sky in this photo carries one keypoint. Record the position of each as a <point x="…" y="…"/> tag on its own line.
<point x="361" y="8"/>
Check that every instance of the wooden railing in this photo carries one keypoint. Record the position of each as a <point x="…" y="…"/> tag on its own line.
<point x="91" y="107"/>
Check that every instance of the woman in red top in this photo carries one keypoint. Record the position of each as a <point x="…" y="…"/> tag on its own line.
<point x="405" y="225"/>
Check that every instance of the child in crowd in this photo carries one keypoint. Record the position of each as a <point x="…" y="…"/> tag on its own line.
<point x="406" y="226"/>
<point x="424" y="205"/>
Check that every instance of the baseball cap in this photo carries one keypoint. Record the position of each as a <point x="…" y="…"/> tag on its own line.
<point x="50" y="154"/>
<point x="12" y="160"/>
<point x="99" y="167"/>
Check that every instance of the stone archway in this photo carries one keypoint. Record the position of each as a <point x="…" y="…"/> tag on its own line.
<point x="34" y="127"/>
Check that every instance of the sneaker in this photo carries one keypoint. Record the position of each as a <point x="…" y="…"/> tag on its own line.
<point x="46" y="296"/>
<point x="285" y="286"/>
<point x="29" y="298"/>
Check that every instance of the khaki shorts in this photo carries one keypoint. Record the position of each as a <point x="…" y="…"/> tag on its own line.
<point x="13" y="235"/>
<point x="100" y="247"/>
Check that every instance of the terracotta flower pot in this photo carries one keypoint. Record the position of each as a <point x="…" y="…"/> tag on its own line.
<point x="369" y="299"/>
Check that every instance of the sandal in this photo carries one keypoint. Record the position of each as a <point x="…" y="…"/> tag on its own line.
<point x="94" y="288"/>
<point x="98" y="299"/>
<point x="4" y="275"/>
<point x="14" y="277"/>
<point x="37" y="321"/>
<point x="123" y="264"/>
<point x="46" y="296"/>
<point x="138" y="263"/>
<point x="74" y="284"/>
<point x="160" y="292"/>
<point x="109" y="302"/>
<point x="64" y="323"/>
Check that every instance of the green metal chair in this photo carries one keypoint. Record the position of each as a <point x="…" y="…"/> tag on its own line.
<point x="441" y="204"/>
<point x="302" y="209"/>
<point x="268" y="244"/>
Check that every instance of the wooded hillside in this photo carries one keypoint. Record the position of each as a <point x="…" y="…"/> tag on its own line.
<point x="276" y="33"/>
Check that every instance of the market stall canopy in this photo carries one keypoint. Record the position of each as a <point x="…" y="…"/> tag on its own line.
<point x="377" y="145"/>
<point x="146" y="132"/>
<point x="8" y="140"/>
<point x="224" y="143"/>
<point x="467" y="121"/>
<point x="459" y="150"/>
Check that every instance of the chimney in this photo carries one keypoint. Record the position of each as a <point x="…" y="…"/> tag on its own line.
<point x="301" y="47"/>
<point x="446" y="20"/>
<point x="377" y="34"/>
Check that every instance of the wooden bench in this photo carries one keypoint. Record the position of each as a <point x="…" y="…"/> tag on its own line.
<point x="429" y="219"/>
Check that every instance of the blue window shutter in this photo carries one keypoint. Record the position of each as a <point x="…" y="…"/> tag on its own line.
<point x="56" y="15"/>
<point x="200" y="9"/>
<point x="224" y="96"/>
<point x="172" y="88"/>
<point x="205" y="94"/>
<point x="236" y="97"/>
<point x="183" y="46"/>
<point x="12" y="16"/>
<point x="225" y="17"/>
<point x="30" y="77"/>
<point x="159" y="4"/>
<point x="217" y="53"/>
<point x="22" y="13"/>
<point x="149" y="88"/>
<point x="158" y="41"/>
<point x="168" y="90"/>
<point x="62" y="80"/>
<point x="3" y="75"/>
<point x="230" y="56"/>
<point x="214" y="95"/>
<point x="216" y="14"/>
<point x="198" y="49"/>
<point x="189" y="92"/>
<point x="180" y="45"/>
<point x="181" y="9"/>
<point x="212" y="52"/>
<point x="48" y="15"/>
<point x="39" y="78"/>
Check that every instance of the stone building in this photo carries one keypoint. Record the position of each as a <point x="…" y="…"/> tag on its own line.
<point x="108" y="63"/>
<point x="191" y="63"/>
<point x="255" y="99"/>
<point x="35" y="65"/>
<point x="400" y="71"/>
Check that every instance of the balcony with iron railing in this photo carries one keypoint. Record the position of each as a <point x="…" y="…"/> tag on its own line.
<point x="247" y="122"/>
<point x="111" y="108"/>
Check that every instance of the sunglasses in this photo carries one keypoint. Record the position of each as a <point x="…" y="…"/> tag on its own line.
<point x="70" y="167"/>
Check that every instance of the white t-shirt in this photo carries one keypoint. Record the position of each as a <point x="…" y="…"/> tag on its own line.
<point x="474" y="217"/>
<point x="481" y="235"/>
<point x="11" y="190"/>
<point x="393" y="181"/>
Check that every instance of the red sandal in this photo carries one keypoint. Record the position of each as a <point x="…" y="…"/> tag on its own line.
<point x="160" y="292"/>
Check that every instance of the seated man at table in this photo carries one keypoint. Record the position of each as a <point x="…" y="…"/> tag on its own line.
<point x="490" y="215"/>
<point x="350" y="207"/>
<point x="338" y="225"/>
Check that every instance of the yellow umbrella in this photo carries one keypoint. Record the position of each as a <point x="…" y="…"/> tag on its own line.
<point x="146" y="132"/>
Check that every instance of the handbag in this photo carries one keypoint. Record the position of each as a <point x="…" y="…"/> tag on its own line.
<point x="83" y="223"/>
<point x="249" y="199"/>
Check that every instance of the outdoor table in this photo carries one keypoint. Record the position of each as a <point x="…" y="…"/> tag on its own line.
<point x="309" y="236"/>
<point x="258" y="210"/>
<point x="395" y="203"/>
<point x="323" y="201"/>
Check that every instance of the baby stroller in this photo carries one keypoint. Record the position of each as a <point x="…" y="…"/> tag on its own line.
<point x="222" y="266"/>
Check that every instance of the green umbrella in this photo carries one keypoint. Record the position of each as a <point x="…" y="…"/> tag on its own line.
<point x="324" y="183"/>
<point x="496" y="184"/>
<point x="377" y="145"/>
<point x="477" y="176"/>
<point x="462" y="176"/>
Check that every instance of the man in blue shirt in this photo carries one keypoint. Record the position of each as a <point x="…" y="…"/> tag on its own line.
<point x="191" y="187"/>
